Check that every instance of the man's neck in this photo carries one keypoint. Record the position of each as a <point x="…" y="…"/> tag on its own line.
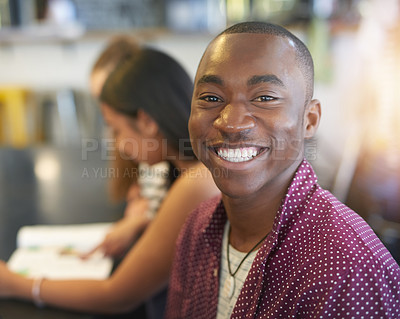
<point x="252" y="216"/>
<point x="249" y="223"/>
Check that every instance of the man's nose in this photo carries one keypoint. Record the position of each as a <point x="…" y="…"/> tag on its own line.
<point x="234" y="119"/>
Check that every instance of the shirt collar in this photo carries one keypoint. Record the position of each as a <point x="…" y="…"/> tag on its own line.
<point x="214" y="228"/>
<point x="296" y="196"/>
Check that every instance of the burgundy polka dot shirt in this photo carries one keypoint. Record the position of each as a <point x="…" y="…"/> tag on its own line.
<point x="321" y="260"/>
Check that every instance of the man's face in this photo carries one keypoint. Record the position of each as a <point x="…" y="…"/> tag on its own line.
<point x="247" y="123"/>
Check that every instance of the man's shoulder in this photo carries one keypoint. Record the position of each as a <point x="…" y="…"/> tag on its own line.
<point x="337" y="226"/>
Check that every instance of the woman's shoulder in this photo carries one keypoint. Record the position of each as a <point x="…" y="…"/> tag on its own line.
<point x="192" y="187"/>
<point x="198" y="178"/>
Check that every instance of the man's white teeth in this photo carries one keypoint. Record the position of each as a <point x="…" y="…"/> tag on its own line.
<point x="237" y="154"/>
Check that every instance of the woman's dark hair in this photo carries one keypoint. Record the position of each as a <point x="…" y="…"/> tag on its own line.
<point x="154" y="82"/>
<point x="119" y="49"/>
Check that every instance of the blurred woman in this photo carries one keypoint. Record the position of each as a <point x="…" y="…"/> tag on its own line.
<point x="146" y="101"/>
<point x="142" y="186"/>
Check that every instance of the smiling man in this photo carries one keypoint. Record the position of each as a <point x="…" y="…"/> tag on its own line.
<point x="276" y="245"/>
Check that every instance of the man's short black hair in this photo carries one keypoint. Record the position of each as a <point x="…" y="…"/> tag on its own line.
<point x="303" y="55"/>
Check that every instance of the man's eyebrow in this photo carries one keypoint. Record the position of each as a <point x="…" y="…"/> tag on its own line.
<point x="267" y="78"/>
<point x="210" y="79"/>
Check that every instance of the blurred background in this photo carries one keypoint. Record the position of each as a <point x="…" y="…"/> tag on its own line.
<point x="47" y="49"/>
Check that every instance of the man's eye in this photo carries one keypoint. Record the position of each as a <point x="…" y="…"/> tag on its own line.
<point x="264" y="98"/>
<point x="210" y="98"/>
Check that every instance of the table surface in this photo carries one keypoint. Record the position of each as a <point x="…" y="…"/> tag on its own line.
<point x="45" y="185"/>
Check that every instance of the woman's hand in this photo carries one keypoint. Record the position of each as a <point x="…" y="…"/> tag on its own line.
<point x="125" y="231"/>
<point x="6" y="279"/>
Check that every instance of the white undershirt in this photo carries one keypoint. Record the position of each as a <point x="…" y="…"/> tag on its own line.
<point x="225" y="303"/>
<point x="153" y="181"/>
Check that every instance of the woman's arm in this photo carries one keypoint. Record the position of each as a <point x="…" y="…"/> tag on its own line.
<point x="144" y="270"/>
<point x="125" y="231"/>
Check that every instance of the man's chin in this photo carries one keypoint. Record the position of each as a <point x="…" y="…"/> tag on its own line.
<point x="236" y="190"/>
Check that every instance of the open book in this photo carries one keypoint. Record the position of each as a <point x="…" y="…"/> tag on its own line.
<point x="54" y="252"/>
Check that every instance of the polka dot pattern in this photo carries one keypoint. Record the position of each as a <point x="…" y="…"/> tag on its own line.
<point x="322" y="261"/>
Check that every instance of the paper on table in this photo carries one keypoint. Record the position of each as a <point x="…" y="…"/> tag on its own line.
<point x="53" y="252"/>
<point x="80" y="236"/>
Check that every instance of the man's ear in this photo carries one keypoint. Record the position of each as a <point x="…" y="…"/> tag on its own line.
<point x="146" y="125"/>
<point x="312" y="117"/>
